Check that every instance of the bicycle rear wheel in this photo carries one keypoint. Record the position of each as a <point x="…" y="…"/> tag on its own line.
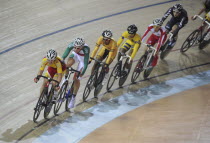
<point x="49" y="104"/>
<point x="114" y="75"/>
<point x="39" y="105"/>
<point x="124" y="73"/>
<point x="61" y="98"/>
<point x="138" y="69"/>
<point x="190" y="41"/>
<point x="204" y="43"/>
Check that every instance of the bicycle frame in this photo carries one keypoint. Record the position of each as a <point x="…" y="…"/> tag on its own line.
<point x="123" y="56"/>
<point x="151" y="50"/>
<point x="207" y="37"/>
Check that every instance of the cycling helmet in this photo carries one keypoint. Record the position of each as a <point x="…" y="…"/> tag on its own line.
<point x="132" y="29"/>
<point x="51" y="54"/>
<point x="208" y="16"/>
<point x="158" y="22"/>
<point x="107" y="34"/>
<point x="79" y="42"/>
<point x="177" y="8"/>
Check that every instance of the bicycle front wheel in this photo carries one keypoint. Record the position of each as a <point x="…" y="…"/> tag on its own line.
<point x="124" y="73"/>
<point x="89" y="86"/>
<point x="49" y="104"/>
<point x="190" y="41"/>
<point x="114" y="75"/>
<point x="138" y="69"/>
<point x="166" y="50"/>
<point x="61" y="98"/>
<point x="39" y="105"/>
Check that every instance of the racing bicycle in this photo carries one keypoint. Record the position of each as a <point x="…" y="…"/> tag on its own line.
<point x="96" y="79"/>
<point x="65" y="92"/>
<point x="197" y="37"/>
<point x="45" y="100"/>
<point x="144" y="64"/>
<point x="121" y="70"/>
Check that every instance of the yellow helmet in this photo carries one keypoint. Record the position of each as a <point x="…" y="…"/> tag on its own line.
<point x="208" y="16"/>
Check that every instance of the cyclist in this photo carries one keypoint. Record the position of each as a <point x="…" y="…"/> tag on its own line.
<point x="108" y="50"/>
<point x="178" y="20"/>
<point x="56" y="69"/>
<point x="80" y="55"/>
<point x="158" y="36"/>
<point x="206" y="8"/>
<point x="132" y="43"/>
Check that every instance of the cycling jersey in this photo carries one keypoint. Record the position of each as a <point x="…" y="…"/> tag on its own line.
<point x="182" y="19"/>
<point x="158" y="37"/>
<point x="111" y="47"/>
<point x="55" y="67"/>
<point x="134" y="43"/>
<point x="82" y="57"/>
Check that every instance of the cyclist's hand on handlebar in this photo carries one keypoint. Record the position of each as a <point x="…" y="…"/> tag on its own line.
<point x="36" y="79"/>
<point x="193" y="17"/>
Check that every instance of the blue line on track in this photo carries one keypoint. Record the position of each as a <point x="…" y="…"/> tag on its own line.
<point x="80" y="24"/>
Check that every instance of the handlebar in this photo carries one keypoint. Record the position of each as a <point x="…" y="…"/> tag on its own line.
<point x="48" y="78"/>
<point x="203" y="19"/>
<point x="100" y="62"/>
<point x="149" y="46"/>
<point x="123" y="56"/>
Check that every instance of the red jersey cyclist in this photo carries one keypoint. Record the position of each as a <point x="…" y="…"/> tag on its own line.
<point x="158" y="36"/>
<point x="55" y="70"/>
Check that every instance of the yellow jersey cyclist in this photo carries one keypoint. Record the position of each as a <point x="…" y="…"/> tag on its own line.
<point x="108" y="50"/>
<point x="56" y="69"/>
<point x="80" y="55"/>
<point x="132" y="43"/>
<point x="206" y="8"/>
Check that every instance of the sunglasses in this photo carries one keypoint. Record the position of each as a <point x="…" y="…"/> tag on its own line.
<point x="77" y="48"/>
<point x="106" y="39"/>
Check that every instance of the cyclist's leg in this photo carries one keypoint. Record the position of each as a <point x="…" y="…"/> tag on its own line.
<point x="71" y="60"/>
<point x="122" y="50"/>
<point x="98" y="57"/>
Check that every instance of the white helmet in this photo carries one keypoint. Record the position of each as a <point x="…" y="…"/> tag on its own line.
<point x="51" y="54"/>
<point x="79" y="42"/>
<point x="158" y="22"/>
<point x="107" y="34"/>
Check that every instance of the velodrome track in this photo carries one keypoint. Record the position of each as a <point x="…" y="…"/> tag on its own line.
<point x="30" y="28"/>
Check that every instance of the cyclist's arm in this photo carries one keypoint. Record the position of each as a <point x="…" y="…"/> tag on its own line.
<point x="120" y="40"/>
<point x="59" y="70"/>
<point x="67" y="51"/>
<point x="135" y="49"/>
<point x="146" y="33"/>
<point x="86" y="59"/>
<point x="168" y="12"/>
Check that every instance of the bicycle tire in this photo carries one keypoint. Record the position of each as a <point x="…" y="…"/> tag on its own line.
<point x="123" y="78"/>
<point x="138" y="69"/>
<point x="166" y="51"/>
<point x="90" y="84"/>
<point x="99" y="86"/>
<point x="49" y="104"/>
<point x="114" y="75"/>
<point x="190" y="41"/>
<point x="203" y="43"/>
<point x="39" y="105"/>
<point x="68" y="98"/>
<point x="147" y="72"/>
<point x="61" y="98"/>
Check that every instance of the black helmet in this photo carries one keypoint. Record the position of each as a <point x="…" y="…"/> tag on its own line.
<point x="107" y="33"/>
<point x="132" y="29"/>
<point x="177" y="8"/>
